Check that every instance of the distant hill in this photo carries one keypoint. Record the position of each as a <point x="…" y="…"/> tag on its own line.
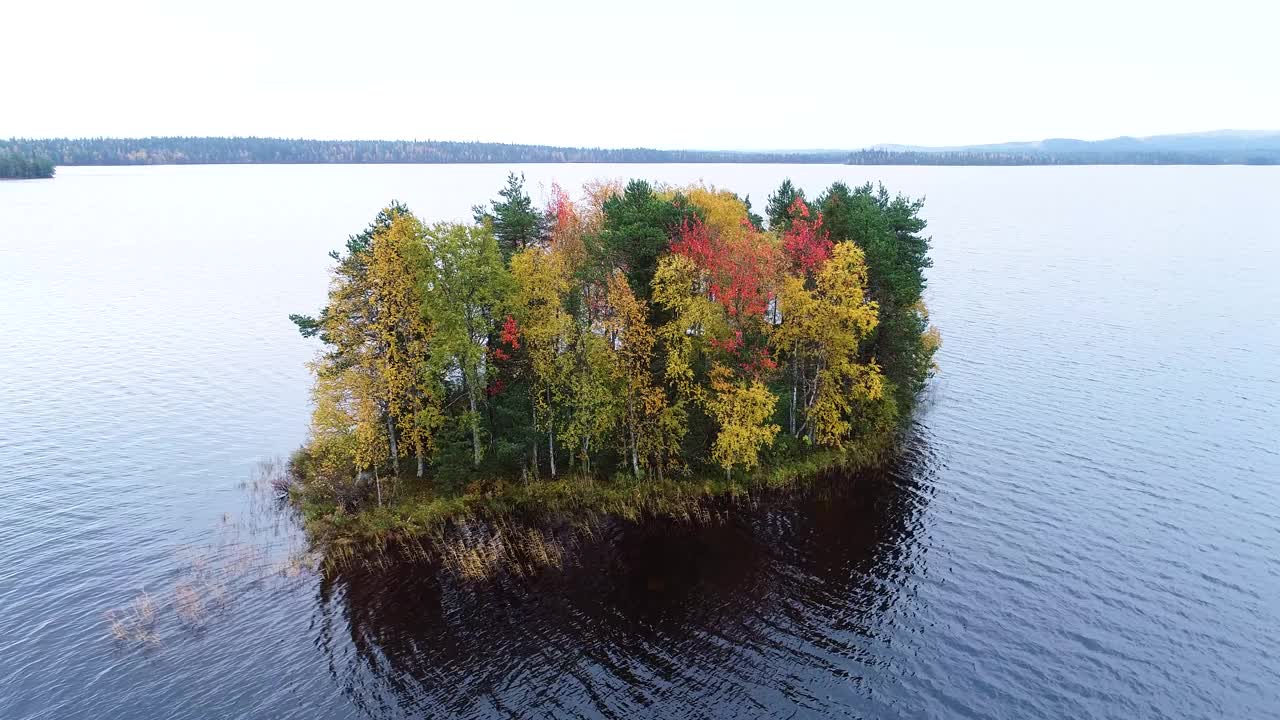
<point x="1219" y="145"/>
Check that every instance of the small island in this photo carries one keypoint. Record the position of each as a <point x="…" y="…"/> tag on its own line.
<point x="18" y="166"/>
<point x="633" y="349"/>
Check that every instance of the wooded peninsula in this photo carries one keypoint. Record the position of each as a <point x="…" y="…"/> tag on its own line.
<point x="16" y="166"/>
<point x="627" y="349"/>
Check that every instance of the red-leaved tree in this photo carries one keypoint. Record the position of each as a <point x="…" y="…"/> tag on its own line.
<point x="806" y="243"/>
<point x="741" y="268"/>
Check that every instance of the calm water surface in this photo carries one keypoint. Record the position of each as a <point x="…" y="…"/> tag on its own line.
<point x="1086" y="522"/>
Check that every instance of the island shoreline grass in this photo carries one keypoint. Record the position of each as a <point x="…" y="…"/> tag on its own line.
<point x="432" y="522"/>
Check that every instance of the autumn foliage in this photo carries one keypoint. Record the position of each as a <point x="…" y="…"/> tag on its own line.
<point x="806" y="243"/>
<point x="652" y="331"/>
<point x="741" y="268"/>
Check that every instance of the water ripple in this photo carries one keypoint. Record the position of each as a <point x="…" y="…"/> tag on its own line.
<point x="1085" y="523"/>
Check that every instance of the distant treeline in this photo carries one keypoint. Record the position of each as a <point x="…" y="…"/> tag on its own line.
<point x="1120" y="157"/>
<point x="22" y="166"/>
<point x="198" y="151"/>
<point x="251" y="150"/>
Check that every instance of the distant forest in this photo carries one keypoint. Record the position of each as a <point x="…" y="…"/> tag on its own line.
<point x="22" y="166"/>
<point x="250" y="150"/>
<point x="200" y="151"/>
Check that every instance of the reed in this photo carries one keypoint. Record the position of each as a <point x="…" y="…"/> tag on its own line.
<point x="421" y="519"/>
<point x="135" y="623"/>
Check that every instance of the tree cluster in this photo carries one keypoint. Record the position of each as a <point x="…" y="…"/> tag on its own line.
<point x="15" y="165"/>
<point x="640" y="329"/>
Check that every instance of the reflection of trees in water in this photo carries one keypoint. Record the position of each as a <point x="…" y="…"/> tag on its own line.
<point x="658" y="618"/>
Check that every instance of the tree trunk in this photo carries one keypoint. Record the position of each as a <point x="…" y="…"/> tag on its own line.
<point x="795" y="383"/>
<point x="635" y="460"/>
<point x="551" y="450"/>
<point x="551" y="441"/>
<point x="535" y="441"/>
<point x="475" y="424"/>
<point x="631" y="437"/>
<point x="419" y="461"/>
<point x="395" y="453"/>
<point x="493" y="422"/>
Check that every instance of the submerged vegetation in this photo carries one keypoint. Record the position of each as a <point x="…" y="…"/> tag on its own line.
<point x="246" y="551"/>
<point x="635" y="349"/>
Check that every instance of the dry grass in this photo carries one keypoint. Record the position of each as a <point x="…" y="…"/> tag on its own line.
<point x="479" y="551"/>
<point x="299" y="563"/>
<point x="135" y="623"/>
<point x="446" y="517"/>
<point x="244" y="551"/>
<point x="187" y="603"/>
<point x="474" y="561"/>
<point x="215" y="595"/>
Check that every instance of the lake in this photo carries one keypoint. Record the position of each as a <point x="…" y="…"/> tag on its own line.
<point x="1085" y="522"/>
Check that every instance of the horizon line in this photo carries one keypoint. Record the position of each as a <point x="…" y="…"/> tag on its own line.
<point x="899" y="146"/>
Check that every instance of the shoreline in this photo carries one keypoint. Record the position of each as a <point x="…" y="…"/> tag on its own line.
<point x="427" y="519"/>
<point x="1054" y="162"/>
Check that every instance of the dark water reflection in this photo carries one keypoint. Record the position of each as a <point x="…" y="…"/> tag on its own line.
<point x="782" y="604"/>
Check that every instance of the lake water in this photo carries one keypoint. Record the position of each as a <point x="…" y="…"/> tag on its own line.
<point x="1085" y="524"/>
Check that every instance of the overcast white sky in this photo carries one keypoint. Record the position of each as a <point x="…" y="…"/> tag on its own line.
<point x="739" y="74"/>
